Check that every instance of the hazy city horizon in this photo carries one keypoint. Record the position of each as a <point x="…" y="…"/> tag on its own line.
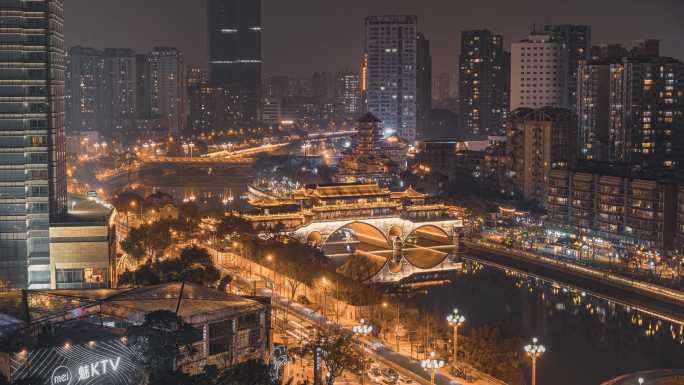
<point x="307" y="36"/>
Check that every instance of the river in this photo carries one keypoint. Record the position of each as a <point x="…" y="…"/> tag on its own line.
<point x="588" y="339"/>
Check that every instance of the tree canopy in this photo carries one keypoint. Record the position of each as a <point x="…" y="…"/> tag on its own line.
<point x="337" y="354"/>
<point x="193" y="265"/>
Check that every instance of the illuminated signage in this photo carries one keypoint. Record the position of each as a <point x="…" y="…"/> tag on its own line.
<point x="102" y="362"/>
<point x="99" y="368"/>
<point x="61" y="376"/>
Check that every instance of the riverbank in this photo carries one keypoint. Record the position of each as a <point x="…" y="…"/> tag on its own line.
<point x="329" y="311"/>
<point x="659" y="301"/>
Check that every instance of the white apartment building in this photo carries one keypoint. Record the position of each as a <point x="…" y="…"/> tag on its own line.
<point x="539" y="73"/>
<point x="391" y="92"/>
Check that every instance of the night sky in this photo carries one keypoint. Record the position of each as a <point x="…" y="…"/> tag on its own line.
<point x="303" y="36"/>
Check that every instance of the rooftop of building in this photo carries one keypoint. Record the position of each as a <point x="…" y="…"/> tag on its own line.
<point x="333" y="190"/>
<point x="84" y="211"/>
<point x="195" y="303"/>
<point x="619" y="169"/>
<point x="409" y="193"/>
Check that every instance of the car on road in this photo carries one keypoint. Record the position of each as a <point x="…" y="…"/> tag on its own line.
<point x="375" y="375"/>
<point x="390" y="375"/>
<point x="405" y="381"/>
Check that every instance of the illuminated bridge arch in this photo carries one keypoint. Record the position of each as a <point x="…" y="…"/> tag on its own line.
<point x="375" y="235"/>
<point x="427" y="246"/>
<point x="357" y="249"/>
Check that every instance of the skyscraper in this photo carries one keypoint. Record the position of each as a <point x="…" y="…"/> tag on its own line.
<point x="33" y="190"/>
<point x="391" y="89"/>
<point x="234" y="34"/>
<point x="539" y="72"/>
<point x="593" y="110"/>
<point x="199" y="100"/>
<point x="167" y="93"/>
<point x="577" y="42"/>
<point x="84" y="80"/>
<point x="120" y="90"/>
<point x="423" y="84"/>
<point x="348" y="96"/>
<point x="631" y="108"/>
<point x="647" y="112"/>
<point x="484" y="76"/>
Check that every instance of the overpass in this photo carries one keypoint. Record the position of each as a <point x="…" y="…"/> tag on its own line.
<point x="246" y="152"/>
<point x="330" y="135"/>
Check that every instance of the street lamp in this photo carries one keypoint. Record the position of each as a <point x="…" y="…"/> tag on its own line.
<point x="433" y="365"/>
<point x="362" y="331"/>
<point x="534" y="351"/>
<point x="455" y="320"/>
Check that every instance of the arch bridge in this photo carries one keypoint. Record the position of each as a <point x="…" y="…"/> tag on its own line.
<point x="385" y="250"/>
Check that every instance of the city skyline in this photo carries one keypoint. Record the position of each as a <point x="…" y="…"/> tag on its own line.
<point x="338" y="39"/>
<point x="199" y="191"/>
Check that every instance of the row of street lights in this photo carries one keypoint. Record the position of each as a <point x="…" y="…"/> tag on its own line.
<point x="432" y="364"/>
<point x="533" y="350"/>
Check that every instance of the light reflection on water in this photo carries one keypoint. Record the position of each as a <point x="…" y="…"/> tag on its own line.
<point x="589" y="339"/>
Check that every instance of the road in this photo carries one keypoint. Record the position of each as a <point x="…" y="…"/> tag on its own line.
<point x="372" y="348"/>
<point x="598" y="284"/>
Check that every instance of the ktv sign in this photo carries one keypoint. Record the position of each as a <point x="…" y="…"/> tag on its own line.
<point x="62" y="375"/>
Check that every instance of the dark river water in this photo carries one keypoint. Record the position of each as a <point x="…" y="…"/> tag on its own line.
<point x="588" y="339"/>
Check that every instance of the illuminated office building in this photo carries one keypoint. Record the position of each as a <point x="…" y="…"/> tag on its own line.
<point x="33" y="190"/>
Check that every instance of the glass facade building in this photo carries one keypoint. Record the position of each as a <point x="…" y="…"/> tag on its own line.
<point x="33" y="189"/>
<point x="234" y="34"/>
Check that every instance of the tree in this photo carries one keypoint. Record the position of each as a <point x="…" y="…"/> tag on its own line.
<point x="299" y="263"/>
<point x="159" y="238"/>
<point x="162" y="340"/>
<point x="232" y="224"/>
<point x="337" y="354"/>
<point x="254" y="372"/>
<point x="197" y="266"/>
<point x="145" y="275"/>
<point x="487" y="350"/>
<point x="194" y="265"/>
<point x="225" y="282"/>
<point x="137" y="243"/>
<point x="122" y="202"/>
